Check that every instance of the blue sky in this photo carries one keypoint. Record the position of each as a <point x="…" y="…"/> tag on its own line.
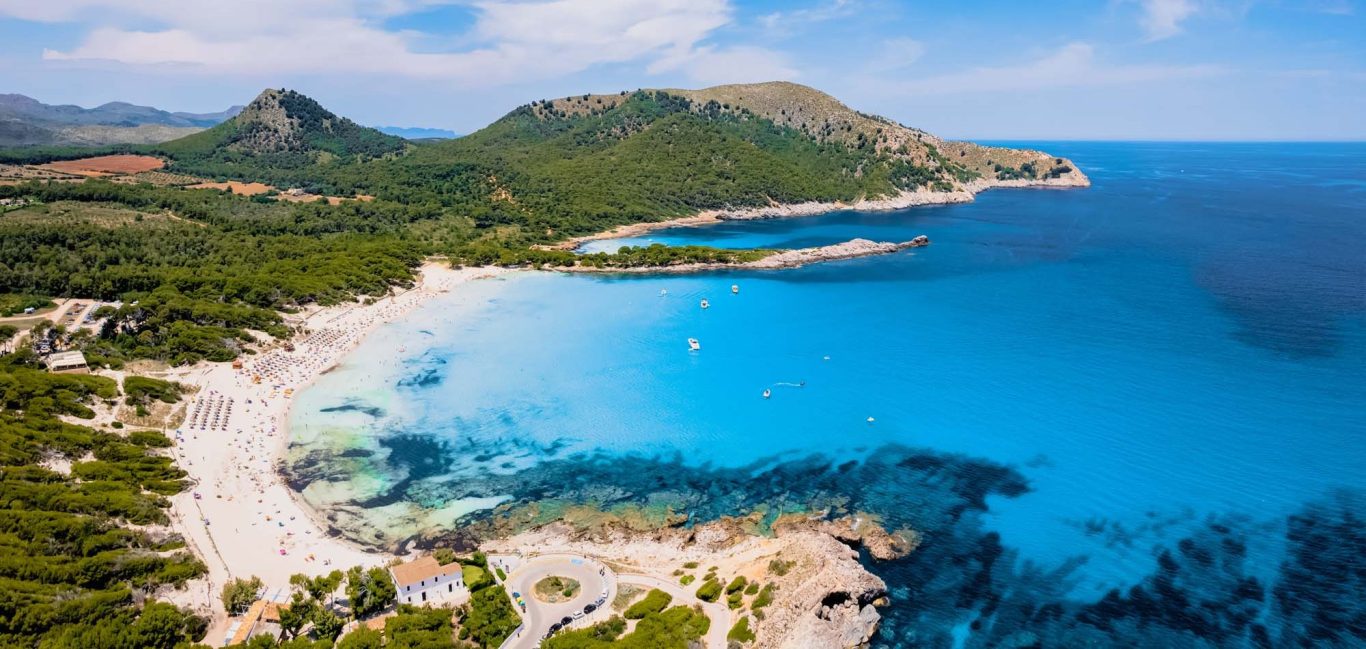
<point x="1102" y="69"/>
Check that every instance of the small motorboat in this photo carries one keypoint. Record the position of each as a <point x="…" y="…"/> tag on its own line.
<point x="767" y="393"/>
<point x="663" y="292"/>
<point x="705" y="304"/>
<point x="870" y="420"/>
<point x="735" y="288"/>
<point x="693" y="344"/>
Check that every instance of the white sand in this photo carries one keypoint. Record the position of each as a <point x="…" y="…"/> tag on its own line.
<point x="240" y="517"/>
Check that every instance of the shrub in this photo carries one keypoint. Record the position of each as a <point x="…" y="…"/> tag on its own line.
<point x="709" y="591"/>
<point x="764" y="598"/>
<point x="780" y="567"/>
<point x="655" y="601"/>
<point x="687" y="579"/>
<point x="752" y="588"/>
<point x="736" y="585"/>
<point x="741" y="631"/>
<point x="239" y="594"/>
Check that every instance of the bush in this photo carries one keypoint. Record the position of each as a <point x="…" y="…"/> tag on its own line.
<point x="690" y="565"/>
<point x="655" y="601"/>
<point x="764" y="598"/>
<point x="752" y="588"/>
<point x="736" y="585"/>
<point x="489" y="617"/>
<point x="362" y="638"/>
<point x="687" y="579"/>
<point x="780" y="567"/>
<point x="709" y="591"/>
<point x="444" y="556"/>
<point x="502" y="576"/>
<point x="239" y="594"/>
<point x="741" y="631"/>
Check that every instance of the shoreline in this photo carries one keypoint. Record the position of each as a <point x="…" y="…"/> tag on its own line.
<point x="966" y="193"/>
<point x="779" y="260"/>
<point x="239" y="516"/>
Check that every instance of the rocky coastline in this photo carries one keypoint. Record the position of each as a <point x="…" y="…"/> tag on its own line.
<point x="781" y="259"/>
<point x="822" y="595"/>
<point x="962" y="193"/>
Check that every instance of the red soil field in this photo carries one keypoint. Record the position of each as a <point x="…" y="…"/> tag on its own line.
<point x="110" y="165"/>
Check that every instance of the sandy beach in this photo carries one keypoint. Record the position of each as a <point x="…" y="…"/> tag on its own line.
<point x="239" y="516"/>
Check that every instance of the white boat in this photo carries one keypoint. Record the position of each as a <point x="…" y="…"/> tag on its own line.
<point x="693" y="344"/>
<point x="767" y="393"/>
<point x="705" y="303"/>
<point x="663" y="292"/>
<point x="735" y="288"/>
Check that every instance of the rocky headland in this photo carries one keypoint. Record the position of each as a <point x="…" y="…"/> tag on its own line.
<point x="821" y="595"/>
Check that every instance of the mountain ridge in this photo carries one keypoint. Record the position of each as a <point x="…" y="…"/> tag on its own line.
<point x="27" y="121"/>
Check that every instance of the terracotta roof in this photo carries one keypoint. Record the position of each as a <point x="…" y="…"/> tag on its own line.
<point x="419" y="570"/>
<point x="248" y="622"/>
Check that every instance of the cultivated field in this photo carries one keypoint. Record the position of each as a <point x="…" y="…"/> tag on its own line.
<point x="241" y="189"/>
<point x="106" y="165"/>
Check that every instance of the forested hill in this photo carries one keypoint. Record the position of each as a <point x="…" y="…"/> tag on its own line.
<point x="563" y="167"/>
<point x="279" y="129"/>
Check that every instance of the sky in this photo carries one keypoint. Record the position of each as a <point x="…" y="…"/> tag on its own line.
<point x="983" y="69"/>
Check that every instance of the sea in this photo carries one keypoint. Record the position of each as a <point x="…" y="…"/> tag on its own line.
<point x="1130" y="414"/>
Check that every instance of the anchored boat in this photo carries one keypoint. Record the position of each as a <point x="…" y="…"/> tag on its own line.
<point x="693" y="344"/>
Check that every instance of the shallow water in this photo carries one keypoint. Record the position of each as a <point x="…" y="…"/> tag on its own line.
<point x="1182" y="342"/>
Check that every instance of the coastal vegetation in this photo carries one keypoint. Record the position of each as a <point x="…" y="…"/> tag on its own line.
<point x="655" y="601"/>
<point x="674" y="628"/>
<point x="488" y="619"/>
<point x="86" y="550"/>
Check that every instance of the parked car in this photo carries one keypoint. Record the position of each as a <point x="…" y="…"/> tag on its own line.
<point x="590" y="608"/>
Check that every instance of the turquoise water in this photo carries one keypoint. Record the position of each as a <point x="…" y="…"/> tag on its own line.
<point x="1179" y="346"/>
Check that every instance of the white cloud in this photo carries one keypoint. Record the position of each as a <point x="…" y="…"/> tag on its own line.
<point x="1162" y="18"/>
<point x="1074" y="64"/>
<point x="898" y="53"/>
<point x="510" y="41"/>
<point x="742" y="64"/>
<point x="780" y="22"/>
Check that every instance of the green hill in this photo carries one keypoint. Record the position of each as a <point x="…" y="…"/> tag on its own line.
<point x="279" y="130"/>
<point x="571" y="166"/>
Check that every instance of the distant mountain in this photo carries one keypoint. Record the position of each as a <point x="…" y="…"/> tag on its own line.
<point x="27" y="121"/>
<point x="418" y="132"/>
<point x="279" y="130"/>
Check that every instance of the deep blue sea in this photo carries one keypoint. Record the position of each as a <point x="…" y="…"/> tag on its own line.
<point x="1134" y="412"/>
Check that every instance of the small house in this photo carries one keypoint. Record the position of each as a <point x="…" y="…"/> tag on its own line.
<point x="425" y="580"/>
<point x="67" y="363"/>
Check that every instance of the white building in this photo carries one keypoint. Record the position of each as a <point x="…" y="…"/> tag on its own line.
<point x="67" y="362"/>
<point x="425" y="581"/>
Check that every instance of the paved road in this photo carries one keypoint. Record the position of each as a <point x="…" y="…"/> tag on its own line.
<point x="594" y="580"/>
<point x="682" y="596"/>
